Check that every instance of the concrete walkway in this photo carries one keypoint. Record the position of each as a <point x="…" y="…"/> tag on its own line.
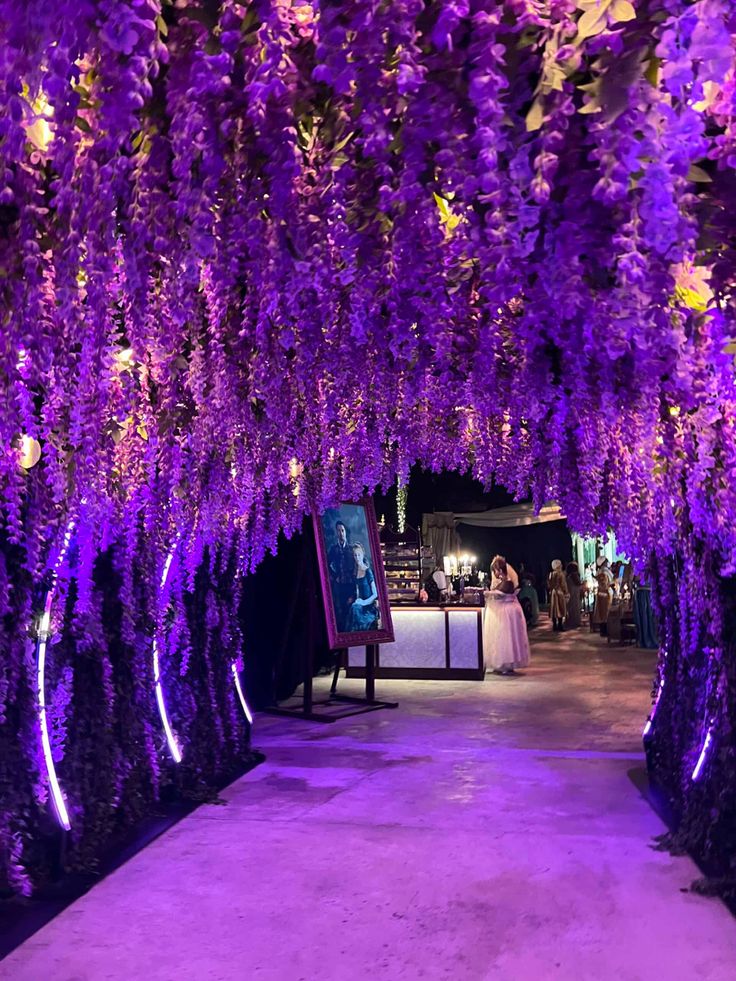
<point x="481" y="830"/>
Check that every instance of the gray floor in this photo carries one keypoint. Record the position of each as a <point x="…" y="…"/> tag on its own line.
<point x="481" y="830"/>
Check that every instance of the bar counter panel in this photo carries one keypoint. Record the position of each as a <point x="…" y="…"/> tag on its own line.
<point x="431" y="642"/>
<point x="466" y="639"/>
<point x="420" y="641"/>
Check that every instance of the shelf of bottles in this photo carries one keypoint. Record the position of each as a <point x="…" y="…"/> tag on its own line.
<point x="402" y="562"/>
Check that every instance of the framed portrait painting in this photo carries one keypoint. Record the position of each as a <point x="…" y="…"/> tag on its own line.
<point x="354" y="592"/>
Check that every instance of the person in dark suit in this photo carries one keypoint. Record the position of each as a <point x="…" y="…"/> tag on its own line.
<point x="342" y="580"/>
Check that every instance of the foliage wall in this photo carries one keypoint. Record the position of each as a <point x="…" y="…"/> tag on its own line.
<point x="258" y="256"/>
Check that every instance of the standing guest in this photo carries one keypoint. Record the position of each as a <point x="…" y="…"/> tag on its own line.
<point x="558" y="595"/>
<point x="440" y="581"/>
<point x="510" y="573"/>
<point x="604" y="580"/>
<point x="505" y="641"/>
<point x="572" y="574"/>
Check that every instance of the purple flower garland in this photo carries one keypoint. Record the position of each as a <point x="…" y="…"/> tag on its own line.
<point x="258" y="260"/>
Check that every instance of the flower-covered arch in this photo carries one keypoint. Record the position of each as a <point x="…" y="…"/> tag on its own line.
<point x="259" y="256"/>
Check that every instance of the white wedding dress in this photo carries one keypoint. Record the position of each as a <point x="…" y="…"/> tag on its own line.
<point x="505" y="640"/>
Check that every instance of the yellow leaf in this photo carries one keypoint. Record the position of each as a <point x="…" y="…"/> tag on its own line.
<point x="30" y="452"/>
<point x="442" y="205"/>
<point x="142" y="431"/>
<point x="589" y="108"/>
<point x="535" y="117"/>
<point x="691" y="299"/>
<point x="594" y="21"/>
<point x="622" y="10"/>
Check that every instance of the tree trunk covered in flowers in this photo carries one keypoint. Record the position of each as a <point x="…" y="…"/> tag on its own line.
<point x="697" y="616"/>
<point x="108" y="745"/>
<point x="256" y="257"/>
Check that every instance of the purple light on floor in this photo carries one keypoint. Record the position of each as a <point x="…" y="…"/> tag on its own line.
<point x="241" y="696"/>
<point x="41" y="646"/>
<point x="170" y="738"/>
<point x="703" y="754"/>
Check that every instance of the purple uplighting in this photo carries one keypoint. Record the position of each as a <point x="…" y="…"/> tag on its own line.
<point x="259" y="259"/>
<point x="650" y="720"/>
<point x="241" y="696"/>
<point x="41" y="649"/>
<point x="164" y="715"/>
<point x="703" y="754"/>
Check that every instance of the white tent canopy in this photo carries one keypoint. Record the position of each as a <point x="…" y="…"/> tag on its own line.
<point x="513" y="516"/>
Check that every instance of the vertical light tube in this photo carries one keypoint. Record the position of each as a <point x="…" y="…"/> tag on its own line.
<point x="703" y="754"/>
<point x="41" y="647"/>
<point x="170" y="738"/>
<point x="650" y="720"/>
<point x="241" y="696"/>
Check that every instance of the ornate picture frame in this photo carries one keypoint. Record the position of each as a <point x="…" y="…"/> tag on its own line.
<point x="354" y="593"/>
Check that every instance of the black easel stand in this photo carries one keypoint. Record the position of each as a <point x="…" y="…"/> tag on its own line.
<point x="309" y="641"/>
<point x="354" y="705"/>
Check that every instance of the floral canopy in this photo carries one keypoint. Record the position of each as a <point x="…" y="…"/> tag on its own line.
<point x="257" y="257"/>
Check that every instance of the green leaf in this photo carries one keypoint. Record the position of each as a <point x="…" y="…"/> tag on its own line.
<point x="622" y="10"/>
<point x="652" y="71"/>
<point x="554" y="77"/>
<point x="344" y="141"/>
<point x="698" y="175"/>
<point x="535" y="116"/>
<point x="593" y="21"/>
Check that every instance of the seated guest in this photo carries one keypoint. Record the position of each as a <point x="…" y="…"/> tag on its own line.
<point x="529" y="600"/>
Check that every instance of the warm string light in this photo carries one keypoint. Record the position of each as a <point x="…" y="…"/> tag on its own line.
<point x="402" y="495"/>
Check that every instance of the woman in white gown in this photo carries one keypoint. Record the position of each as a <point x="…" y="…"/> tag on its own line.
<point x="505" y="641"/>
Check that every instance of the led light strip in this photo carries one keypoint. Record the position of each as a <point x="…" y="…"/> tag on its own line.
<point x="41" y="645"/>
<point x="650" y="720"/>
<point x="241" y="696"/>
<point x="170" y="738"/>
<point x="703" y="753"/>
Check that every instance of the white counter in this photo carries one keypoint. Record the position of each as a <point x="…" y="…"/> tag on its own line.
<point x="431" y="642"/>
